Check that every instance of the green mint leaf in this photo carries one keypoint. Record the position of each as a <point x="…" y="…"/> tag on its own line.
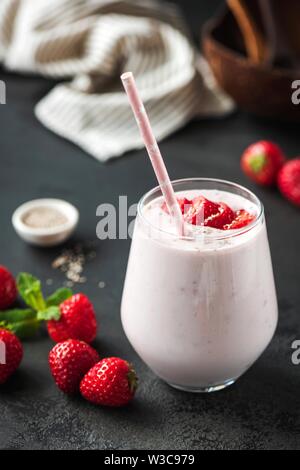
<point x="23" y="329"/>
<point x="50" y="313"/>
<point x="22" y="322"/>
<point x="59" y="296"/>
<point x="29" y="288"/>
<point x="17" y="315"/>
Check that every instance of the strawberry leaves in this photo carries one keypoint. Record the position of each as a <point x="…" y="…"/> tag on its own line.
<point x="16" y="315"/>
<point x="59" y="296"/>
<point x="25" y="322"/>
<point x="22" y="322"/>
<point x="29" y="288"/>
<point x="50" y="313"/>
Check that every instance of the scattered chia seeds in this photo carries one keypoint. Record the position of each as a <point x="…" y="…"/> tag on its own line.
<point x="68" y="284"/>
<point x="72" y="260"/>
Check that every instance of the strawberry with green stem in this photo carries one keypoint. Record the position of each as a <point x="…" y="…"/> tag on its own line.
<point x="26" y="322"/>
<point x="111" y="382"/>
<point x="262" y="161"/>
<point x="68" y="316"/>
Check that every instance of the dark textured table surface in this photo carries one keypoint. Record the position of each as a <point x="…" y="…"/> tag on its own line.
<point x="262" y="410"/>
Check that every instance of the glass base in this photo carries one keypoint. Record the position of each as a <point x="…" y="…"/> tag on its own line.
<point x="208" y="389"/>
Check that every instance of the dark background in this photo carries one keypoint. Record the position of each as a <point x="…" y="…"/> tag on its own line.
<point x="262" y="409"/>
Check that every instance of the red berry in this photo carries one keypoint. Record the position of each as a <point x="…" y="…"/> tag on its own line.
<point x="224" y="216"/>
<point x="289" y="181"/>
<point x="111" y="382"/>
<point x="201" y="210"/>
<point x="77" y="320"/>
<point x="11" y="354"/>
<point x="69" y="361"/>
<point x="262" y="161"/>
<point x="8" y="288"/>
<point x="242" y="219"/>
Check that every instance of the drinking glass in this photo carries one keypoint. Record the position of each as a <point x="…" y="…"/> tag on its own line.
<point x="199" y="310"/>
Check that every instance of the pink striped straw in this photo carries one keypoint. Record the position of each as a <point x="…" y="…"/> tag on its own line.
<point x="152" y="149"/>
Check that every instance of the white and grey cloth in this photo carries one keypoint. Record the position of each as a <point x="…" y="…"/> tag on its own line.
<point x="88" y="44"/>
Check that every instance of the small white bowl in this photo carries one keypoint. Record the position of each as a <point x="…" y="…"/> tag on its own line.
<point x="49" y="236"/>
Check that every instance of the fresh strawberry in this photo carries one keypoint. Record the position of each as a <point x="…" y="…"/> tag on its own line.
<point x="68" y="316"/>
<point x="242" y="218"/>
<point x="201" y="210"/>
<point x="262" y="161"/>
<point x="207" y="207"/>
<point x="11" y="354"/>
<point x="224" y="216"/>
<point x="69" y="361"/>
<point x="289" y="181"/>
<point x="76" y="321"/>
<point x="8" y="288"/>
<point x="111" y="382"/>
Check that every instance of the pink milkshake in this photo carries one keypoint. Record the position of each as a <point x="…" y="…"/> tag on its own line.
<point x="199" y="309"/>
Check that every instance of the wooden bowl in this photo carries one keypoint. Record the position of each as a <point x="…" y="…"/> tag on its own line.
<point x="258" y="89"/>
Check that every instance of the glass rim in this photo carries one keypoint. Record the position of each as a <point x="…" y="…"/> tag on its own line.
<point x="217" y="235"/>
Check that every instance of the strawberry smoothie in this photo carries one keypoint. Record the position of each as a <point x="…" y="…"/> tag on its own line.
<point x="200" y="309"/>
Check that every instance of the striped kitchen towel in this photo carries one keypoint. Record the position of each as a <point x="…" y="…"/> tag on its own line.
<point x="88" y="44"/>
